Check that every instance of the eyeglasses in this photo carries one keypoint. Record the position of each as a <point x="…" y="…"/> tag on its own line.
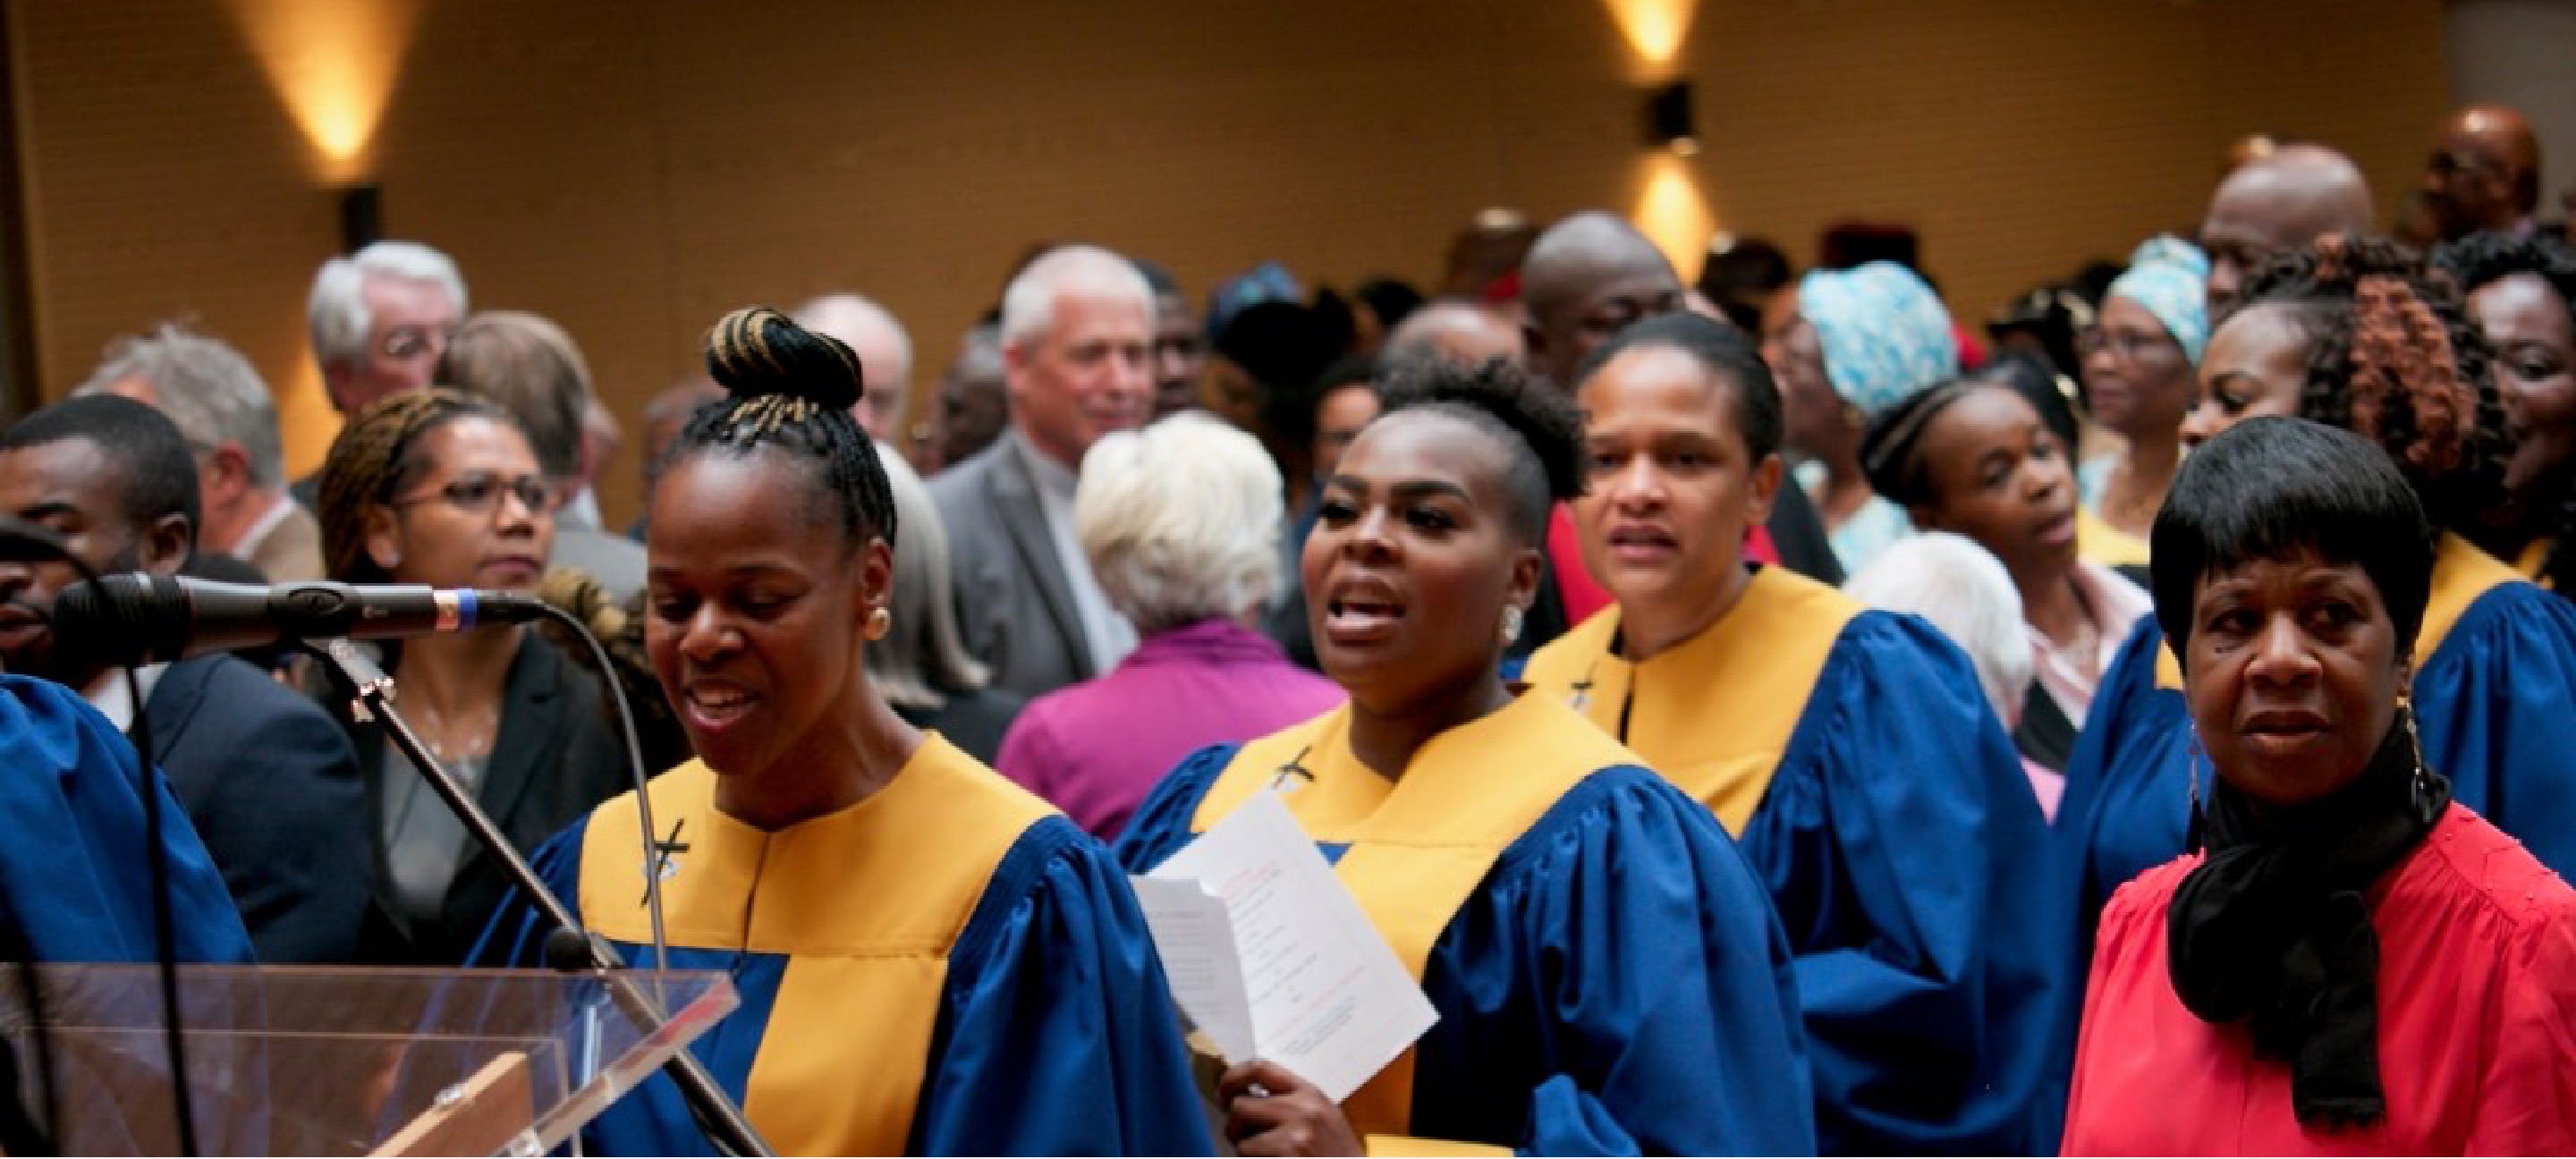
<point x="480" y="494"/>
<point x="408" y="342"/>
<point x="2132" y="346"/>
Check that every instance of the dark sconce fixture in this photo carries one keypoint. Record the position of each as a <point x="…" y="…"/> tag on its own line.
<point x="362" y="216"/>
<point x="1670" y="122"/>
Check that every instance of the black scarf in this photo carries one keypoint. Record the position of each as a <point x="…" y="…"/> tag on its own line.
<point x="2274" y="927"/>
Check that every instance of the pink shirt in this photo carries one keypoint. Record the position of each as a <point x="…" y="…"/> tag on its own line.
<point x="2071" y="678"/>
<point x="1096" y="748"/>
<point x="2477" y="1021"/>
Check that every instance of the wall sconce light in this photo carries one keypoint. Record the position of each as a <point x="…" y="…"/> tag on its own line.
<point x="1670" y="122"/>
<point x="362" y="216"/>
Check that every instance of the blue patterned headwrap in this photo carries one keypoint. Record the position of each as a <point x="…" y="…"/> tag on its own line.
<point x="2170" y="277"/>
<point x="1884" y="333"/>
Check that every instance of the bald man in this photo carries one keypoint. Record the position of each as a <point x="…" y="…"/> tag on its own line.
<point x="2484" y="173"/>
<point x="885" y="356"/>
<point x="1587" y="278"/>
<point x="1456" y="330"/>
<point x="2276" y="202"/>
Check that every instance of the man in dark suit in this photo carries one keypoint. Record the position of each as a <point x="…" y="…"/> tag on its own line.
<point x="1077" y="353"/>
<point x="265" y="776"/>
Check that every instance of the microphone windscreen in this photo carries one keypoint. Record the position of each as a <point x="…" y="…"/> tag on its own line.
<point x="120" y="619"/>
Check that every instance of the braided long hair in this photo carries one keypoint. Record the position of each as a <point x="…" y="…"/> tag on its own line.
<point x="790" y="389"/>
<point x="2474" y="262"/>
<point x="2393" y="358"/>
<point x="375" y="457"/>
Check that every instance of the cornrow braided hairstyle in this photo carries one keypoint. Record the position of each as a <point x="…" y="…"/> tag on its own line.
<point x="790" y="389"/>
<point x="374" y="458"/>
<point x="1537" y="425"/>
<point x="2474" y="262"/>
<point x="2393" y="358"/>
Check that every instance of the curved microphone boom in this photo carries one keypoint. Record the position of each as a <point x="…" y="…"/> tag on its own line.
<point x="141" y="618"/>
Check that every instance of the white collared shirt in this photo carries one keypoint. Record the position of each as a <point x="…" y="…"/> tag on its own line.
<point x="113" y="700"/>
<point x="251" y="537"/>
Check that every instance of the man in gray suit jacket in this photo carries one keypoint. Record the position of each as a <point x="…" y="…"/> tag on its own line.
<point x="1077" y="352"/>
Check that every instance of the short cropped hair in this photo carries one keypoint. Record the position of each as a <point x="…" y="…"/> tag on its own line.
<point x="1180" y="521"/>
<point x="1962" y="589"/>
<point x="532" y="369"/>
<point x="160" y="475"/>
<point x="336" y="312"/>
<point x="2278" y="487"/>
<point x="206" y="388"/>
<point x="1028" y="304"/>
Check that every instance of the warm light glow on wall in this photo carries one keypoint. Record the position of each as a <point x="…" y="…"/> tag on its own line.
<point x="1654" y="28"/>
<point x="306" y="423"/>
<point x="333" y="64"/>
<point x="1671" y="212"/>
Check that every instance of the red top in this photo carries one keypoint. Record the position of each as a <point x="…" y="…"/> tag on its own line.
<point x="1584" y="595"/>
<point x="2477" y="1021"/>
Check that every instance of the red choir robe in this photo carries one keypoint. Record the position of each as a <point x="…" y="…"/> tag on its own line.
<point x="2477" y="1021"/>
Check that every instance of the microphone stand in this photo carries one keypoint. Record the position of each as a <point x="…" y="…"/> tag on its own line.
<point x="716" y="1114"/>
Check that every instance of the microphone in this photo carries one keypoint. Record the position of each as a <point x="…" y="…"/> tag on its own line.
<point x="142" y="618"/>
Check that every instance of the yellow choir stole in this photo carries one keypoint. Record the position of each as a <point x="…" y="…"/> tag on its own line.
<point x="1418" y="846"/>
<point x="865" y="903"/>
<point x="1714" y="713"/>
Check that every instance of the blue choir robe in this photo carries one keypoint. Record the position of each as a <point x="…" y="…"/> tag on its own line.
<point x="1609" y="978"/>
<point x="75" y="874"/>
<point x="2495" y="705"/>
<point x="1877" y="798"/>
<point x="947" y="967"/>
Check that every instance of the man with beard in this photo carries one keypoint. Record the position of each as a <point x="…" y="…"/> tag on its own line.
<point x="266" y="777"/>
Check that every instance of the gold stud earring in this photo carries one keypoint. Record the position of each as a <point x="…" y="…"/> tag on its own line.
<point x="879" y="623"/>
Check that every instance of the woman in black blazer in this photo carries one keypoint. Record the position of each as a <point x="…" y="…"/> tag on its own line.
<point x="431" y="487"/>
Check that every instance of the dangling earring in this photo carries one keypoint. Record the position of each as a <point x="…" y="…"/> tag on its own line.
<point x="2422" y="784"/>
<point x="1511" y="632"/>
<point x="879" y="623"/>
<point x="2199" y="827"/>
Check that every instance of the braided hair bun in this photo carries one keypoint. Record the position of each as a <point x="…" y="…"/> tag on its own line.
<point x="757" y="351"/>
<point x="790" y="389"/>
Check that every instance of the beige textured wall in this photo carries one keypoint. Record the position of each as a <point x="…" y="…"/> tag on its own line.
<point x="635" y="167"/>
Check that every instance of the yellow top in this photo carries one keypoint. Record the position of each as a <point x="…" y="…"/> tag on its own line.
<point x="865" y="903"/>
<point x="1418" y="846"/>
<point x="2104" y="544"/>
<point x="2461" y="573"/>
<point x="2535" y="556"/>
<point x="1714" y="713"/>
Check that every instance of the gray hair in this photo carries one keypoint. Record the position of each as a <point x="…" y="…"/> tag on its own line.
<point x="1963" y="590"/>
<point x="1180" y="521"/>
<point x="208" y="390"/>
<point x="336" y="312"/>
<point x="924" y="657"/>
<point x="1028" y="306"/>
<point x="846" y="317"/>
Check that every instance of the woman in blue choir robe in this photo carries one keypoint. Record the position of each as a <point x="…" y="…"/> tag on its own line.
<point x="1608" y="976"/>
<point x="1851" y="751"/>
<point x="2322" y="333"/>
<point x="75" y="884"/>
<point x="931" y="960"/>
